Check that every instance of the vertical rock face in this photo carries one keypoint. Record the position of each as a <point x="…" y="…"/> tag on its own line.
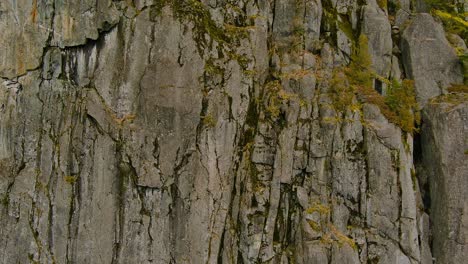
<point x="444" y="149"/>
<point x="377" y="27"/>
<point x="209" y="132"/>
<point x="428" y="58"/>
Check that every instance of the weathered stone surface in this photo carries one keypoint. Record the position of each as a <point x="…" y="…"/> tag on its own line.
<point x="75" y="22"/>
<point x="444" y="148"/>
<point x="29" y="27"/>
<point x="428" y="58"/>
<point x="208" y="132"/>
<point x="376" y="27"/>
<point x="24" y="30"/>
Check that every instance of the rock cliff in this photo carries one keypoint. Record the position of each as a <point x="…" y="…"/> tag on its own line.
<point x="232" y="131"/>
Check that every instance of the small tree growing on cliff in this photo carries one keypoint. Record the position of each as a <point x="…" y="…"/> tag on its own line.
<point x="359" y="71"/>
<point x="399" y="106"/>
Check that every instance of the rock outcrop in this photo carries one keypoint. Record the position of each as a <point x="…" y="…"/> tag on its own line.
<point x="214" y="132"/>
<point x="428" y="58"/>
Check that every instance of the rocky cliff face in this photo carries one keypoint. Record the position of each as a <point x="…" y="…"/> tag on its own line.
<point x="227" y="131"/>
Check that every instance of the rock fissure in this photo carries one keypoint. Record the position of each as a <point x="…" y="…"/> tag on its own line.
<point x="205" y="132"/>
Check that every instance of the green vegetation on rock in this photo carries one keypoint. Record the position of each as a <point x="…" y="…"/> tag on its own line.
<point x="401" y="99"/>
<point x="452" y="16"/>
<point x="399" y="106"/>
<point x="464" y="61"/>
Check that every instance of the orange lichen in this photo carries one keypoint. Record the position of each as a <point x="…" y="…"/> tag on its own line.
<point x="122" y="120"/>
<point x="34" y="11"/>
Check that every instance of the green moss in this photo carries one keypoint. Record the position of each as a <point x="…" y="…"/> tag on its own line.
<point x="275" y="97"/>
<point x="441" y="4"/>
<point x="314" y="225"/>
<point x="5" y="200"/>
<point x="329" y="21"/>
<point x="238" y="32"/>
<point x="345" y="26"/>
<point x="341" y="238"/>
<point x="335" y="236"/>
<point x="205" y="28"/>
<point x="399" y="106"/>
<point x="393" y="7"/>
<point x="452" y="99"/>
<point x="319" y="208"/>
<point x="332" y="22"/>
<point x="359" y="72"/>
<point x="382" y="4"/>
<point x="341" y="92"/>
<point x="253" y="171"/>
<point x="298" y="27"/>
<point x="414" y="179"/>
<point x="252" y="115"/>
<point x="273" y="104"/>
<point x="213" y="69"/>
<point x="70" y="179"/>
<point x="452" y="16"/>
<point x="208" y="121"/>
<point x="401" y="99"/>
<point x="464" y="61"/>
<point x="242" y="59"/>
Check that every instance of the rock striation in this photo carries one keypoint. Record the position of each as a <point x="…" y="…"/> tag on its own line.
<point x="210" y="131"/>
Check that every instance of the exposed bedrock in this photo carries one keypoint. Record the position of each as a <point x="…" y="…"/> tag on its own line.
<point x="162" y="131"/>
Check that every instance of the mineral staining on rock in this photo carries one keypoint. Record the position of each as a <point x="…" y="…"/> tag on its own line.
<point x="229" y="131"/>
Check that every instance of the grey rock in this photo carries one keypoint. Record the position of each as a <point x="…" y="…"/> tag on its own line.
<point x="24" y="30"/>
<point x="204" y="132"/>
<point x="443" y="146"/>
<point x="403" y="4"/>
<point x="344" y="254"/>
<point x="376" y="27"/>
<point x="428" y="58"/>
<point x="313" y="18"/>
<point x="75" y="22"/>
<point x="421" y="6"/>
<point x="28" y="28"/>
<point x="457" y="42"/>
<point x="396" y="71"/>
<point x="402" y="17"/>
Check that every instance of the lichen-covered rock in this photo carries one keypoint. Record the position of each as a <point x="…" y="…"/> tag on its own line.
<point x="211" y="132"/>
<point x="24" y="30"/>
<point x="76" y="22"/>
<point x="28" y="28"/>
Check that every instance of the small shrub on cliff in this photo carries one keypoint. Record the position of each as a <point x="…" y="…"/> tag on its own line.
<point x="399" y="106"/>
<point x="359" y="71"/>
<point x="452" y="15"/>
<point x="209" y="121"/>
<point x="340" y="91"/>
<point x="276" y="96"/>
<point x="401" y="99"/>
